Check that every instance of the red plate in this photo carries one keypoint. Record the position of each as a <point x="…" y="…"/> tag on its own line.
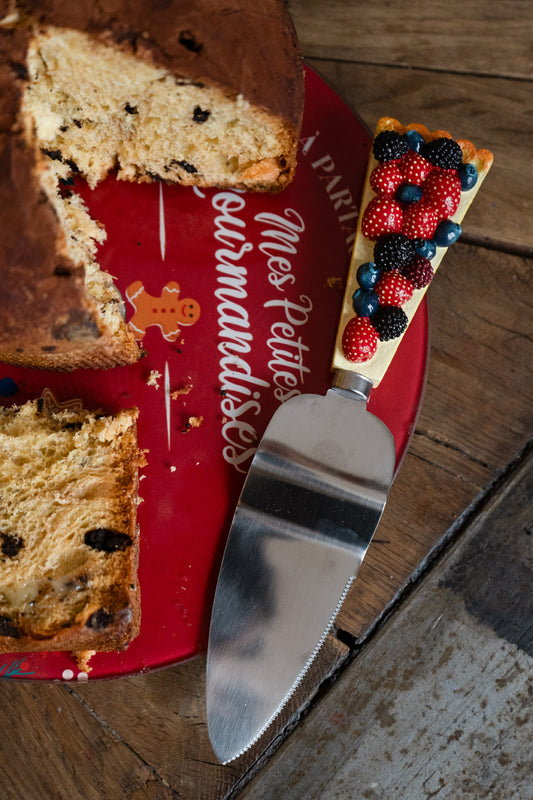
<point x="262" y="277"/>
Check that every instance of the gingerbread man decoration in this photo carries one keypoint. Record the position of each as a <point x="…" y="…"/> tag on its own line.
<point x="168" y="311"/>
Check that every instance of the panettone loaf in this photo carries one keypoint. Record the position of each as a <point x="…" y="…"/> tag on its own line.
<point x="196" y="93"/>
<point x="68" y="531"/>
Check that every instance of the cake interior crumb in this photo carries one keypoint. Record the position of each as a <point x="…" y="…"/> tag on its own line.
<point x="91" y="109"/>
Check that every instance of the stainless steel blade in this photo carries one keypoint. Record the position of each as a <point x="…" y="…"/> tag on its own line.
<point x="312" y="500"/>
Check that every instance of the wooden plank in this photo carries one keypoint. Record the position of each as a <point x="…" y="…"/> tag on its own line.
<point x="480" y="383"/>
<point x="438" y="704"/>
<point x="474" y="37"/>
<point x="466" y="433"/>
<point x="53" y="747"/>
<point x="162" y="717"/>
<point x="493" y="113"/>
<point x="171" y="705"/>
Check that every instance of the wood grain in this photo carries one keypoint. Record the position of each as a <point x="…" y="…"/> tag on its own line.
<point x="170" y="704"/>
<point x="54" y="747"/>
<point x="473" y="36"/>
<point x="438" y="704"/>
<point x="466" y="67"/>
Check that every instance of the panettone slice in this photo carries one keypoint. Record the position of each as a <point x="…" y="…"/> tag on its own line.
<point x="69" y="544"/>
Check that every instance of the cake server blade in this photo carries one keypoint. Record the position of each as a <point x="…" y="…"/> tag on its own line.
<point x="309" y="507"/>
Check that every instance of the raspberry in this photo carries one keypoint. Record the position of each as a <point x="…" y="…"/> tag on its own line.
<point x="419" y="221"/>
<point x="359" y="340"/>
<point x="385" y="178"/>
<point x="442" y="191"/>
<point x="389" y="322"/>
<point x="394" y="289"/>
<point x="418" y="272"/>
<point x="443" y="152"/>
<point x="415" y="168"/>
<point x="381" y="216"/>
<point x="389" y="145"/>
<point x="391" y="251"/>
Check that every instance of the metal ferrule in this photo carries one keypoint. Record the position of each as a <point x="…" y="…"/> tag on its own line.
<point x="352" y="382"/>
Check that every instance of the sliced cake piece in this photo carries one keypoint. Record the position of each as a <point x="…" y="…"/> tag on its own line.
<point x="205" y="93"/>
<point x="418" y="187"/>
<point x="69" y="543"/>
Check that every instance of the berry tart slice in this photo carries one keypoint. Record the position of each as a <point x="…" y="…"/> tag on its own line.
<point x="418" y="187"/>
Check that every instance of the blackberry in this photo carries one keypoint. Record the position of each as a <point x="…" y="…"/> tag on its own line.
<point x="389" y="322"/>
<point x="443" y="152"/>
<point x="392" y="251"/>
<point x="418" y="271"/>
<point x="389" y="145"/>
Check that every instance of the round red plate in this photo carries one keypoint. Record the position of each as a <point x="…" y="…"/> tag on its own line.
<point x="262" y="277"/>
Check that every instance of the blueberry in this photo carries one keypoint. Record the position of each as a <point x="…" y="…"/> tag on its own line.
<point x="468" y="176"/>
<point x="446" y="233"/>
<point x="8" y="387"/>
<point x="414" y="140"/>
<point x="425" y="247"/>
<point x="368" y="275"/>
<point x="409" y="193"/>
<point x="365" y="302"/>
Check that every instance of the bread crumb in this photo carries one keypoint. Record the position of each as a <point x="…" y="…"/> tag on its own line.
<point x="192" y="422"/>
<point x="334" y="282"/>
<point x="184" y="390"/>
<point x="82" y="659"/>
<point x="173" y="468"/>
<point x="153" y="379"/>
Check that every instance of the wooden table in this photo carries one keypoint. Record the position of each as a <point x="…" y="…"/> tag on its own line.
<point x="407" y="698"/>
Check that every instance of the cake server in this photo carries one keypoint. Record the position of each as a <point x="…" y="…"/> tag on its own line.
<point x="308" y="510"/>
